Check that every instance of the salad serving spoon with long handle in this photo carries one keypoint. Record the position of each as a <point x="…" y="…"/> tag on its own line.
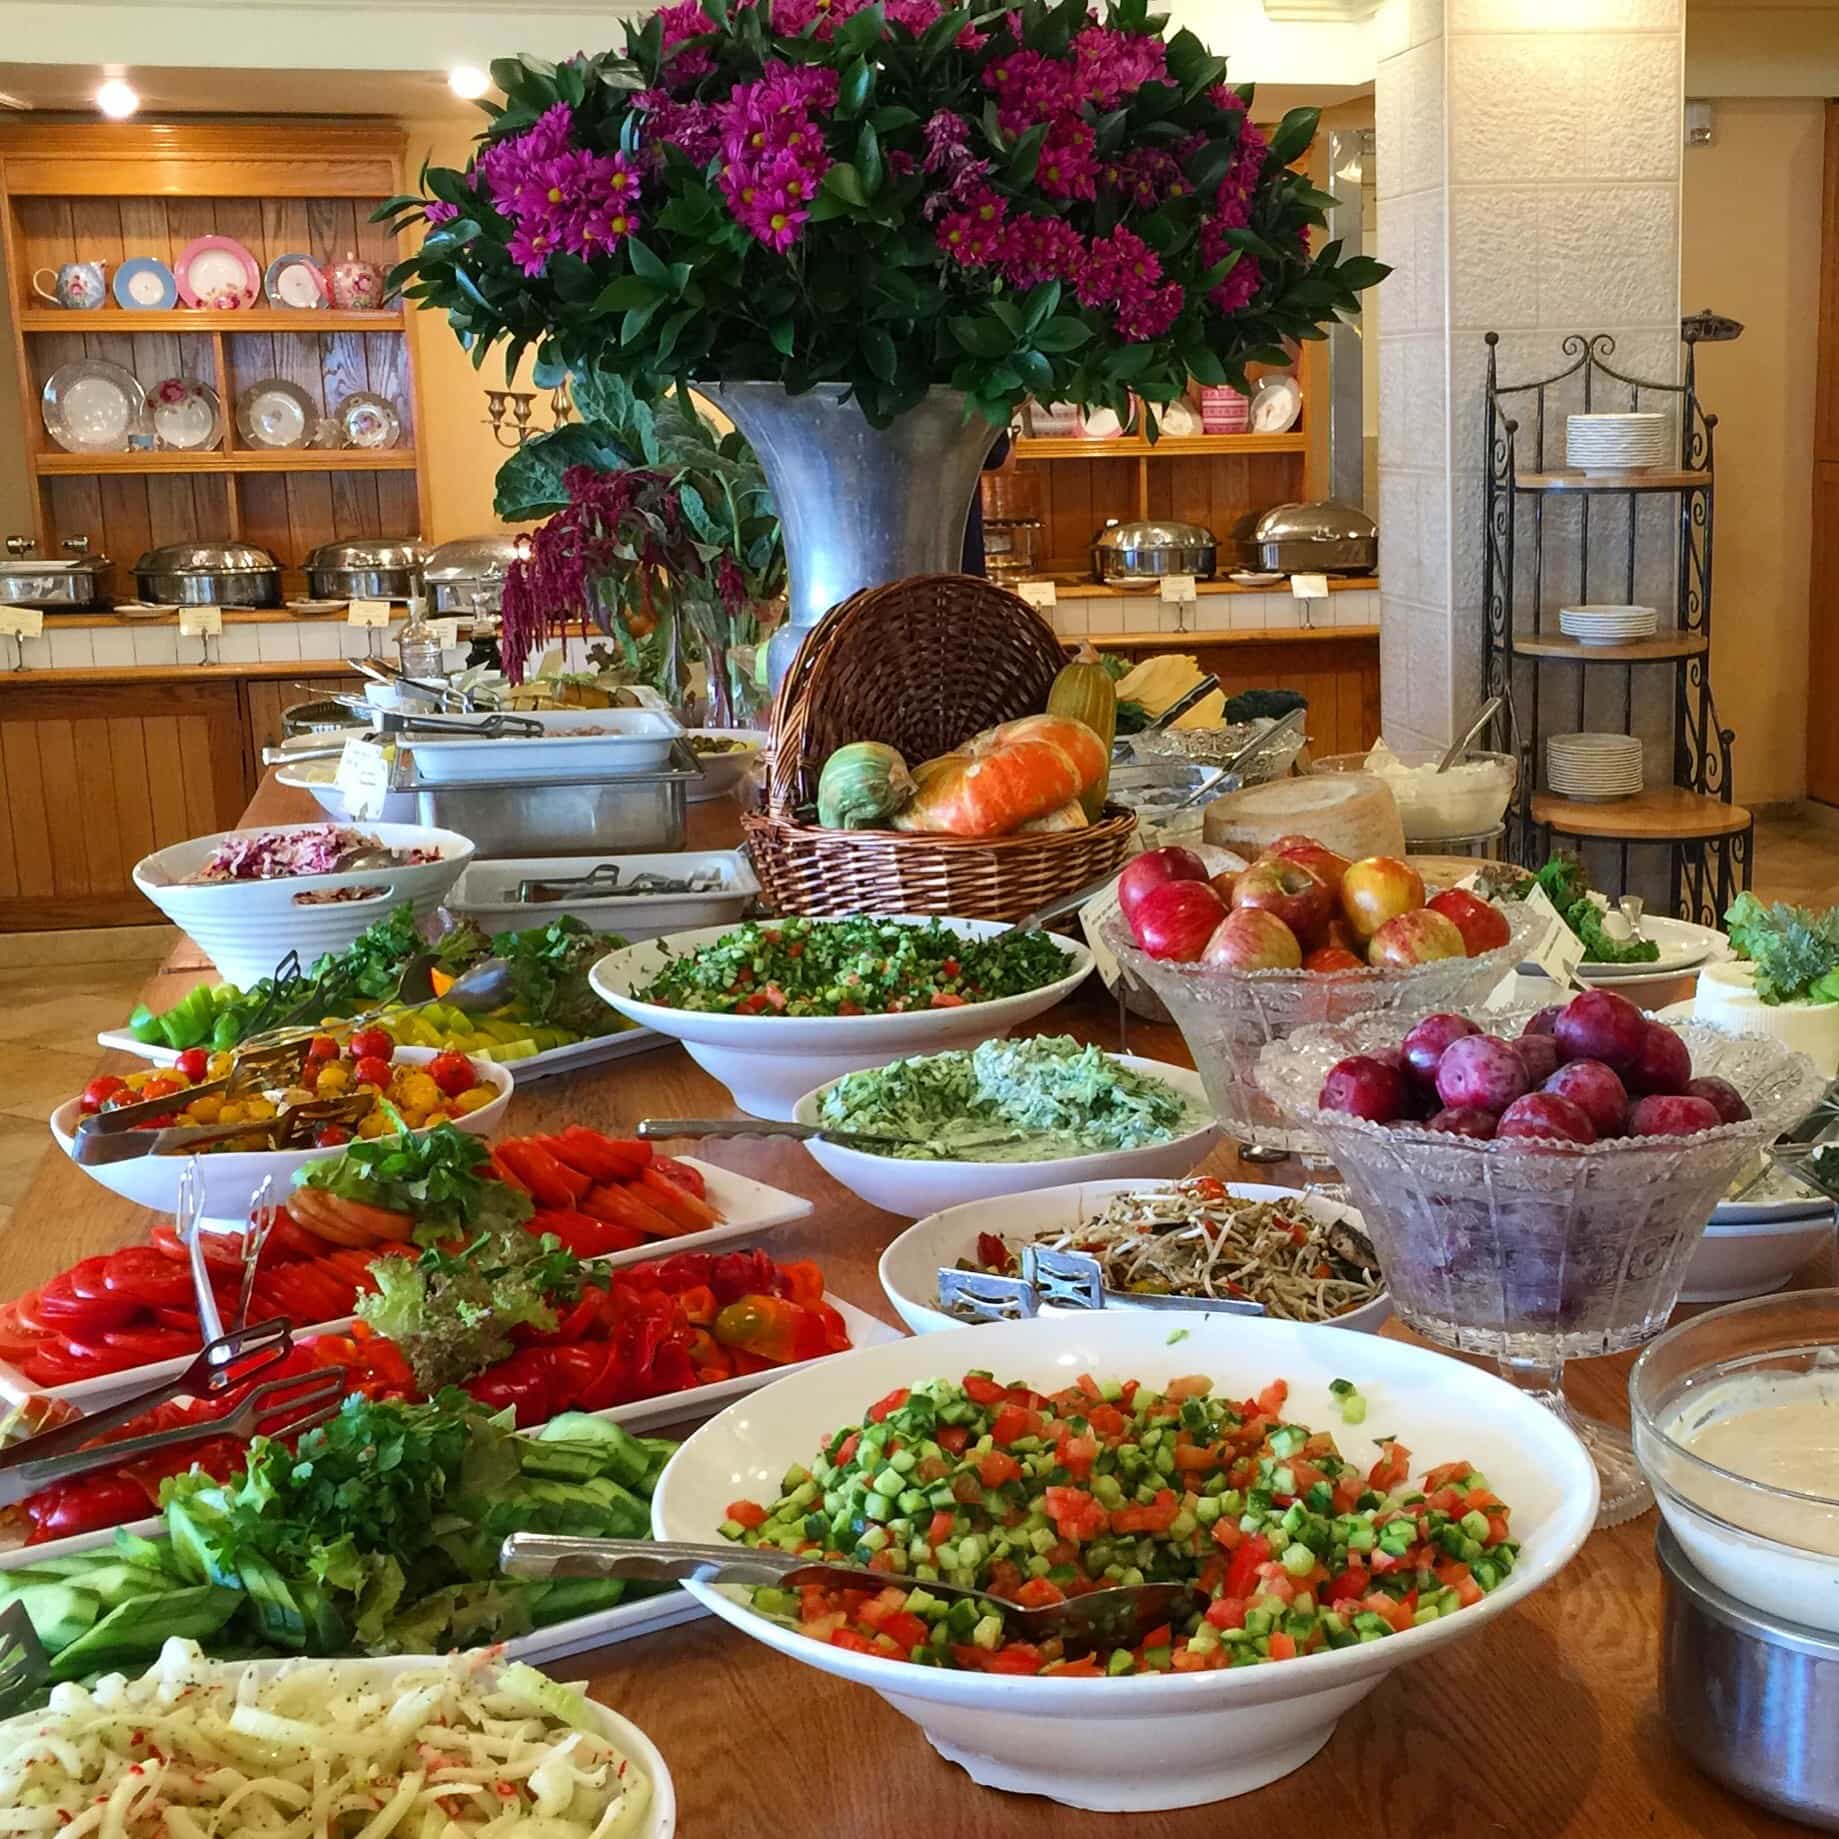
<point x="874" y="1144"/>
<point x="1118" y="1617"/>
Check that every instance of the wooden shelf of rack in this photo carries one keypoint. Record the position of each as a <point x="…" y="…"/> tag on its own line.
<point x="241" y="460"/>
<point x="1651" y="479"/>
<point x="119" y="320"/>
<point x="1662" y="647"/>
<point x="1662" y="814"/>
<point x="1169" y="447"/>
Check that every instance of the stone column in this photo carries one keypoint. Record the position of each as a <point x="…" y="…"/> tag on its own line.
<point x="1528" y="158"/>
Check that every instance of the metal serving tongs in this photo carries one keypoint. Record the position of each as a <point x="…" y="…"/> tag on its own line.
<point x="1114" y="1618"/>
<point x="1120" y="748"/>
<point x="1067" y="1280"/>
<point x="409" y="722"/>
<point x="449" y="700"/>
<point x="609" y="878"/>
<point x="875" y="1144"/>
<point x="257" y="1066"/>
<point x="292" y="1127"/>
<point x="221" y="1366"/>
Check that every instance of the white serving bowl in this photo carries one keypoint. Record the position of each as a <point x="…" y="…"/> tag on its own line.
<point x="1164" y="1740"/>
<point x="722" y="772"/>
<point x="910" y="1266"/>
<point x="231" y="1176"/>
<point x="660" y="1817"/>
<point x="913" y="1189"/>
<point x="1753" y="1258"/>
<point x="768" y="1062"/>
<point x="319" y="780"/>
<point x="247" y="927"/>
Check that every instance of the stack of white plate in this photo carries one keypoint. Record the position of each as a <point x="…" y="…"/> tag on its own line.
<point x="1606" y="625"/>
<point x="1615" y="443"/>
<point x="1593" y="766"/>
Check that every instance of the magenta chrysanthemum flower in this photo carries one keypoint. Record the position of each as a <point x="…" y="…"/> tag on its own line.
<point x="1146" y="176"/>
<point x="693" y="128"/>
<point x="945" y="135"/>
<point x="972" y="237"/>
<point x="774" y="153"/>
<point x="1109" y="66"/>
<point x="1029" y="87"/>
<point x="685" y="20"/>
<point x="1068" y="166"/>
<point x="1033" y="249"/>
<point x="440" y="212"/>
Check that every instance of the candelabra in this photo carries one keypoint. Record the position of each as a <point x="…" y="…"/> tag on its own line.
<point x="517" y="408"/>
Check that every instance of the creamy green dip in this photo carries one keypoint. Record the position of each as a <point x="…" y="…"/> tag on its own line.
<point x="1031" y="1100"/>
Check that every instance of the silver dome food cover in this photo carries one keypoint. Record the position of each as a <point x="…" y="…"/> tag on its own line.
<point x="467" y="574"/>
<point x="209" y="574"/>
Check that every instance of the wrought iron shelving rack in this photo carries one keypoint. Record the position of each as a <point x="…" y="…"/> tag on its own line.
<point x="1708" y="837"/>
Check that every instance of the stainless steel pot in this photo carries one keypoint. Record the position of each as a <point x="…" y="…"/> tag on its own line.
<point x="367" y="568"/>
<point x="467" y="575"/>
<point x="209" y="574"/>
<point x="1325" y="538"/>
<point x="1751" y="1700"/>
<point x="1139" y="554"/>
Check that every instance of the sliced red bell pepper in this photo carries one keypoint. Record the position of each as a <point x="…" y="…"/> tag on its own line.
<point x="623" y="1207"/>
<point x="599" y="1158"/>
<point x="686" y="1175"/>
<point x="679" y="1205"/>
<point x="547" y="1181"/>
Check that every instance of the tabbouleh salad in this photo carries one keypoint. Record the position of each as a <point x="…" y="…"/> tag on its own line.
<point x="853" y="967"/>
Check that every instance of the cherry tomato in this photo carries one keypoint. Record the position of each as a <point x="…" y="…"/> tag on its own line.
<point x="372" y="1044"/>
<point x="99" y="1091"/>
<point x="194" y="1063"/>
<point x="330" y="1136"/>
<point x="162" y="1087"/>
<point x="322" y="1047"/>
<point x="453" y="1073"/>
<point x="372" y="1070"/>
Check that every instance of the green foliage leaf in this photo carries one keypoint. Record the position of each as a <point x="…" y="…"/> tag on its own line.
<point x="1294" y="133"/>
<point x="844" y="182"/>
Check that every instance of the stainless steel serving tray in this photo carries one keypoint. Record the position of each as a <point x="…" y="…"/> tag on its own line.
<point x="35" y="582"/>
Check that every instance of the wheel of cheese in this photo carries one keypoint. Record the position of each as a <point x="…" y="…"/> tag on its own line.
<point x="1354" y="814"/>
<point x="1726" y="998"/>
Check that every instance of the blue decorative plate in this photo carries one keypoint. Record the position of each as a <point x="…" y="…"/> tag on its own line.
<point x="144" y="284"/>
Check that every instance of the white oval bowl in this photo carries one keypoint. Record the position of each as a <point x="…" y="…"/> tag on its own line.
<point x="910" y="1266"/>
<point x="660" y="1820"/>
<point x="1164" y="1740"/>
<point x="247" y="927"/>
<point x="398" y="807"/>
<point x="1735" y="1261"/>
<point x="914" y="1189"/>
<point x="722" y="772"/>
<point x="768" y="1062"/>
<point x="231" y="1177"/>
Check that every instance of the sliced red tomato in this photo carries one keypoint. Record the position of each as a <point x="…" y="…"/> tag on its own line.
<point x="184" y="1320"/>
<point x="143" y="1275"/>
<point x="144" y="1345"/>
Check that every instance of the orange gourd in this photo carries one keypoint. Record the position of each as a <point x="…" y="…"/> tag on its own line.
<point x="999" y="780"/>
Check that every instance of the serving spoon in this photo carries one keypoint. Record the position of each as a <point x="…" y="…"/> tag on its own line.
<point x="873" y="1143"/>
<point x="1114" y="1618"/>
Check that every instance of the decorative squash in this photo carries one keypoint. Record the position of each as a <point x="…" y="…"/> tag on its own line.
<point x="1069" y="816"/>
<point x="862" y="786"/>
<point x="1084" y="691"/>
<point x="998" y="780"/>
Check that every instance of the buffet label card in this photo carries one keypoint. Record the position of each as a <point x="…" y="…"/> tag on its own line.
<point x="1039" y="594"/>
<point x="200" y="622"/>
<point x="365" y="770"/>
<point x="1178" y="590"/>
<point x="369" y="613"/>
<point x="1309" y="587"/>
<point x="22" y="622"/>
<point x="448" y="631"/>
<point x="1558" y="951"/>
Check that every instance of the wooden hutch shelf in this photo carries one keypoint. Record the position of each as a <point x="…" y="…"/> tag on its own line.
<point x="1662" y="647"/>
<point x="117" y="320"/>
<point x="1169" y="447"/>
<point x="238" y="460"/>
<point x="1662" y="814"/>
<point x="1650" y="479"/>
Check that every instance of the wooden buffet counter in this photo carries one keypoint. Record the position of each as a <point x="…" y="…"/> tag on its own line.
<point x="1541" y="1726"/>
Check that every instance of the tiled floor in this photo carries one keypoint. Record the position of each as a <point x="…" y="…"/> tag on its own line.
<point x="50" y="1013"/>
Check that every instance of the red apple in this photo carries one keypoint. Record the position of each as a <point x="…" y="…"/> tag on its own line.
<point x="1333" y="958"/>
<point x="1176" y="919"/>
<point x="1250" y="939"/>
<point x="1317" y="858"/>
<point x="1378" y="888"/>
<point x="1153" y="869"/>
<point x="1722" y="1096"/>
<point x="1599" y="1025"/>
<point x="1288" y="890"/>
<point x="1665" y="1065"/>
<point x="1596" y="1092"/>
<point x="1424" y="1046"/>
<point x="1545" y="1114"/>
<point x="1364" y="1087"/>
<point x="1483" y="926"/>
<point x="1416" y="937"/>
<point x="1224" y="882"/>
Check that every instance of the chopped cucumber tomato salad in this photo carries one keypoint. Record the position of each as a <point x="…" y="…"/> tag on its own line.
<point x="1039" y="1497"/>
<point x="853" y="967"/>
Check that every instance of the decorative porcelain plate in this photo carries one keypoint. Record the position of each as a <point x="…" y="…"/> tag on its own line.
<point x="1276" y="406"/>
<point x="186" y="415"/>
<point x="217" y="271"/>
<point x="276" y="413"/>
<point x="368" y="420"/>
<point x="295" y="281"/>
<point x="144" y="284"/>
<point x="92" y="407"/>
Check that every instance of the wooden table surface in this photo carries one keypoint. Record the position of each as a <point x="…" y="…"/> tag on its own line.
<point x="1544" y="1723"/>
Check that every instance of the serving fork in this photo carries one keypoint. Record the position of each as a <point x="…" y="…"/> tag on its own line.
<point x="25" y="1667"/>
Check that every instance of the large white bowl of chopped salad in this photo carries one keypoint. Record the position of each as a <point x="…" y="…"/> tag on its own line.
<point x="1006" y="1117"/>
<point x="249" y="897"/>
<point x="776" y="1007"/>
<point x="1307" y="1609"/>
<point x="460" y="1744"/>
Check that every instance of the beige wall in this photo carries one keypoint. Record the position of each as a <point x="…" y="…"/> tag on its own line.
<point x="1752" y="250"/>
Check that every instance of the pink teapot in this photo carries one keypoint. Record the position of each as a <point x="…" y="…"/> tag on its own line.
<point x="353" y="285"/>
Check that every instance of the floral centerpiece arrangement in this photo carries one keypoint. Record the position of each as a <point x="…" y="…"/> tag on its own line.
<point x="660" y="531"/>
<point x="1027" y="201"/>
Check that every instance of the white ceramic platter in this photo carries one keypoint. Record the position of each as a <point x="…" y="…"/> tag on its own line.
<point x="1682" y="946"/>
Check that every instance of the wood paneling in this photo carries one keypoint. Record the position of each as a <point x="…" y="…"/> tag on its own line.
<point x="265" y="703"/>
<point x="1823" y="572"/>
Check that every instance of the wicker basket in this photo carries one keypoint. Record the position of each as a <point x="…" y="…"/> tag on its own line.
<point x="921" y="664"/>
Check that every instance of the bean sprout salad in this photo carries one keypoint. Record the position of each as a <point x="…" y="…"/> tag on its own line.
<point x="318" y="1750"/>
<point x="1197" y="1239"/>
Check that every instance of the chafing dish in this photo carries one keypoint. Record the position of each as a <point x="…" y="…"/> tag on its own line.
<point x="1140" y="553"/>
<point x="367" y="568"/>
<point x="467" y="575"/>
<point x="30" y="580"/>
<point x="209" y="574"/>
<point x="1325" y="538"/>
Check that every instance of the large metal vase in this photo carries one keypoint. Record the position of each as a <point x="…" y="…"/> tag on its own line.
<point x="860" y="505"/>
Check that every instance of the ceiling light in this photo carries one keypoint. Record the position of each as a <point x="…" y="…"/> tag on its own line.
<point x="117" y="100"/>
<point x="468" y="82"/>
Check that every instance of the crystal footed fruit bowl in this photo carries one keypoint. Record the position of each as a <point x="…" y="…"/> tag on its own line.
<point x="1229" y="1017"/>
<point x="1536" y="1251"/>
